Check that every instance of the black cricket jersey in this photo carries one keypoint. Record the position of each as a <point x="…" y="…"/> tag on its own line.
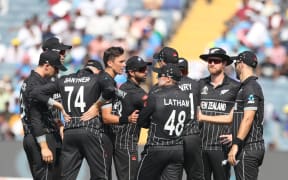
<point x="108" y="89"/>
<point x="57" y="97"/>
<point x="78" y="92"/>
<point x="191" y="87"/>
<point x="134" y="100"/>
<point x="36" y="116"/>
<point x="250" y="97"/>
<point x="168" y="110"/>
<point x="216" y="101"/>
<point x="127" y="135"/>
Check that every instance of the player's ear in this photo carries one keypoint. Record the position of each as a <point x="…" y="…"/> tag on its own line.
<point x="110" y="63"/>
<point x="131" y="73"/>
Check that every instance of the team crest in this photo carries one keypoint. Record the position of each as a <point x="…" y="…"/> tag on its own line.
<point x="204" y="90"/>
<point x="251" y="99"/>
<point x="224" y="91"/>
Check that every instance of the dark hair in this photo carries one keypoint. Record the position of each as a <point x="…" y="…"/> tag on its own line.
<point x="111" y="53"/>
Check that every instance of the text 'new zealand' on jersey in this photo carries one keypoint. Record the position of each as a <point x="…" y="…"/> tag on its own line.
<point x="250" y="97"/>
<point x="216" y="101"/>
<point x="168" y="110"/>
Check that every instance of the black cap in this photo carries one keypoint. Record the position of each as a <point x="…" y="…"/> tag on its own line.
<point x="182" y="63"/>
<point x="54" y="44"/>
<point x="156" y="56"/>
<point x="168" y="55"/>
<point x="136" y="62"/>
<point x="169" y="70"/>
<point x="248" y="57"/>
<point x="52" y="58"/>
<point x="95" y="64"/>
<point x="217" y="52"/>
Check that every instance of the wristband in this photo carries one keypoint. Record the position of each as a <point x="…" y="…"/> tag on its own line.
<point x="51" y="102"/>
<point x="41" y="138"/>
<point x="238" y="142"/>
<point x="123" y="120"/>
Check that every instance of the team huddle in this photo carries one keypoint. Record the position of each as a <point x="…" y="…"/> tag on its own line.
<point x="203" y="126"/>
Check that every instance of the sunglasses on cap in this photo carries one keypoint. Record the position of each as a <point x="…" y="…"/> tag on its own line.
<point x="215" y="61"/>
<point x="62" y="52"/>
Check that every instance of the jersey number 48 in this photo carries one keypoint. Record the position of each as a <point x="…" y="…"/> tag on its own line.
<point x="177" y="126"/>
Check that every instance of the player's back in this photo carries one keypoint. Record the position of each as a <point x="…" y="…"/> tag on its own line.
<point x="79" y="91"/>
<point x="172" y="111"/>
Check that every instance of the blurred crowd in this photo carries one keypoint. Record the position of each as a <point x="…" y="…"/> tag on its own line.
<point x="91" y="26"/>
<point x="262" y="26"/>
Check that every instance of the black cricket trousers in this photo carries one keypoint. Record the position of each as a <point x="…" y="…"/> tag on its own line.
<point x="40" y="170"/>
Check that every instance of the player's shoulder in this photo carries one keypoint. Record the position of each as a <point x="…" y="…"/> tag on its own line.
<point x="233" y="81"/>
<point x="251" y="85"/>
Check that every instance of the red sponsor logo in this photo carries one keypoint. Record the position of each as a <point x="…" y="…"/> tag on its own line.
<point x="133" y="157"/>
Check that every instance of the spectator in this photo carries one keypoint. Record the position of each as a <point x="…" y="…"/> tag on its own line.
<point x="14" y="53"/>
<point x="277" y="53"/>
<point x="4" y="7"/>
<point x="267" y="69"/>
<point x="29" y="35"/>
<point x="5" y="132"/>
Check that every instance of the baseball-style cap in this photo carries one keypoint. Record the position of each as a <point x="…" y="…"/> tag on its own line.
<point x="54" y="44"/>
<point x="156" y="56"/>
<point x="52" y="58"/>
<point x="168" y="55"/>
<point x="182" y="63"/>
<point x="217" y="52"/>
<point x="248" y="57"/>
<point x="169" y="70"/>
<point x="95" y="64"/>
<point x="135" y="63"/>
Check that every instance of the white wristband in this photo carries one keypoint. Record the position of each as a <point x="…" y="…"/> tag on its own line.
<point x="51" y="102"/>
<point x="41" y="138"/>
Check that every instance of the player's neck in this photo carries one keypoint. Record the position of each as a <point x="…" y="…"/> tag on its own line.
<point x="110" y="72"/>
<point x="245" y="75"/>
<point x="216" y="80"/>
<point x="40" y="71"/>
<point x="134" y="80"/>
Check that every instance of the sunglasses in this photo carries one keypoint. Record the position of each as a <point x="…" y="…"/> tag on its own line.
<point x="215" y="61"/>
<point x="61" y="52"/>
<point x="142" y="70"/>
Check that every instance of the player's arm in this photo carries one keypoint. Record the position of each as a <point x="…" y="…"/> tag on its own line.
<point x="107" y="89"/>
<point x="109" y="118"/>
<point x="145" y="114"/>
<point x="43" y="93"/>
<point x="225" y="119"/>
<point x="40" y="134"/>
<point x="250" y="108"/>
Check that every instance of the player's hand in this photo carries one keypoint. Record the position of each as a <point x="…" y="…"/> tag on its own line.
<point x="226" y="139"/>
<point x="47" y="155"/>
<point x="61" y="131"/>
<point x="230" y="115"/>
<point x="199" y="115"/>
<point x="133" y="117"/>
<point x="66" y="116"/>
<point x="92" y="112"/>
<point x="232" y="155"/>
